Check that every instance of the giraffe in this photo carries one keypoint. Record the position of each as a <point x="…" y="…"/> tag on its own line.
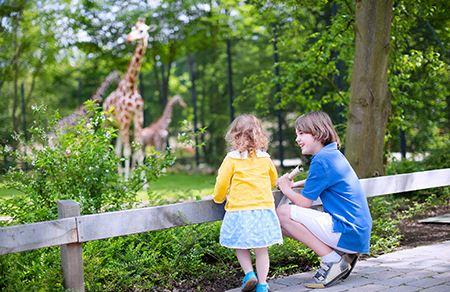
<point x="156" y="133"/>
<point x="72" y="119"/>
<point x="126" y="103"/>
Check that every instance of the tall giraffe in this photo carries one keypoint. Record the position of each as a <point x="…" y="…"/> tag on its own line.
<point x="127" y="103"/>
<point x="156" y="133"/>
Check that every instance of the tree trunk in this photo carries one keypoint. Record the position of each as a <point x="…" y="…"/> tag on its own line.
<point x="15" y="98"/>
<point x="370" y="100"/>
<point x="156" y="74"/>
<point x="278" y="91"/>
<point x="191" y="64"/>
<point x="23" y="112"/>
<point x="402" y="136"/>
<point x="17" y="53"/>
<point x="202" y="117"/>
<point x="163" y="95"/>
<point x="166" y="74"/>
<point x="230" y="80"/>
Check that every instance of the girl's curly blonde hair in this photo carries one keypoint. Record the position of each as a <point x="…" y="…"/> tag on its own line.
<point x="245" y="133"/>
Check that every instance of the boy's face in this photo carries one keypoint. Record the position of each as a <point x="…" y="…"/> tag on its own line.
<point x="307" y="143"/>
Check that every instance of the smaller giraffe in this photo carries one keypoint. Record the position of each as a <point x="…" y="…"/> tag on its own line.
<point x="156" y="134"/>
<point x="73" y="118"/>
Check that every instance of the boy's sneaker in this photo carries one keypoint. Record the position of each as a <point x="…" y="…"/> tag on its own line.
<point x="249" y="282"/>
<point x="262" y="287"/>
<point x="350" y="258"/>
<point x="329" y="273"/>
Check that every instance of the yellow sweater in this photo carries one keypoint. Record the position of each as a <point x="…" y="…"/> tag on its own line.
<point x="246" y="182"/>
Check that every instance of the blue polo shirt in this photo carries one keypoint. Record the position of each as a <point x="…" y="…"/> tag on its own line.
<point x="332" y="179"/>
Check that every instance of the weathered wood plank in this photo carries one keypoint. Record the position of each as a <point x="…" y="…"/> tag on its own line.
<point x="36" y="235"/>
<point x="399" y="183"/>
<point x="98" y="226"/>
<point x="105" y="225"/>
<point x="71" y="254"/>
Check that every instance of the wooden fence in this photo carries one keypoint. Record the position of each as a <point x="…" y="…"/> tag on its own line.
<point x="71" y="230"/>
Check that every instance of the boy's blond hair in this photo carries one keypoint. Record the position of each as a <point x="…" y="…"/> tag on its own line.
<point x="245" y="133"/>
<point x="319" y="125"/>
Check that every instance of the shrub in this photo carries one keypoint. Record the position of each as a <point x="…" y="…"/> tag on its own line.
<point x="80" y="165"/>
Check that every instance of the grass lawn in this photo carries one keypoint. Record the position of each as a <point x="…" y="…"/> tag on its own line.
<point x="5" y="193"/>
<point x="170" y="188"/>
<point x="175" y="187"/>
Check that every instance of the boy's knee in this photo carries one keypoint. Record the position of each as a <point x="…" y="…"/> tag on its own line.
<point x="283" y="212"/>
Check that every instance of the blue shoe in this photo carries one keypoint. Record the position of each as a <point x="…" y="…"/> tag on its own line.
<point x="249" y="282"/>
<point x="262" y="287"/>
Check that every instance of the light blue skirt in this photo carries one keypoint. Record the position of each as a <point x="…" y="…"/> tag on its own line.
<point x="250" y="229"/>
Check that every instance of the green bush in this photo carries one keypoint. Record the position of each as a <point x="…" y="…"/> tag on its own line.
<point x="438" y="157"/>
<point x="80" y="165"/>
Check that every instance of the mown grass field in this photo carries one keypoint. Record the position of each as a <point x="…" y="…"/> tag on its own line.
<point x="176" y="187"/>
<point x="170" y="188"/>
<point x="5" y="193"/>
<point x="199" y="184"/>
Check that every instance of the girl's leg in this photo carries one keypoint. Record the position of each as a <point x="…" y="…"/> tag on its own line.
<point x="299" y="232"/>
<point x="262" y="264"/>
<point x="243" y="256"/>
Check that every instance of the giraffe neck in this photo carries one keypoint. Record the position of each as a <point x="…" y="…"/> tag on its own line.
<point x="165" y="119"/>
<point x="130" y="78"/>
<point x="98" y="96"/>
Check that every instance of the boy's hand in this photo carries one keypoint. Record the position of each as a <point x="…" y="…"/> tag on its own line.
<point x="284" y="183"/>
<point x="299" y="184"/>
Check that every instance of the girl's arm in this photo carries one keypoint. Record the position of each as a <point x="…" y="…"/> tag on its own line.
<point x="223" y="181"/>
<point x="273" y="174"/>
<point x="285" y="186"/>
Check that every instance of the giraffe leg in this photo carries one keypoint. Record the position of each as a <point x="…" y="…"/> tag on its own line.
<point x="127" y="154"/>
<point x="119" y="154"/>
<point x="138" y="125"/>
<point x="144" y="179"/>
<point x="125" y="139"/>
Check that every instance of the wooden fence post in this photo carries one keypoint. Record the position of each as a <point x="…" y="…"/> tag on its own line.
<point x="71" y="254"/>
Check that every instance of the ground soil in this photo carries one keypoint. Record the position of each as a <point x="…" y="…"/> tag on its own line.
<point x="415" y="233"/>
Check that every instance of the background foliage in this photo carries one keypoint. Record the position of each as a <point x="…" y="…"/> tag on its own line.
<point x="54" y="54"/>
<point x="61" y="51"/>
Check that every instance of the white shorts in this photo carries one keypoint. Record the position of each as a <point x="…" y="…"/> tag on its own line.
<point x="320" y="224"/>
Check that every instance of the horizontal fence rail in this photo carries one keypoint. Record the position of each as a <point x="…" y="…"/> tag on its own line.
<point x="383" y="185"/>
<point x="111" y="224"/>
<point x="36" y="235"/>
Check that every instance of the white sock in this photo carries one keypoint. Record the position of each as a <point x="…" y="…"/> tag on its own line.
<point x="332" y="257"/>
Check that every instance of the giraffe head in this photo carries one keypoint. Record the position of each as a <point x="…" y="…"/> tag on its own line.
<point x="140" y="31"/>
<point x="177" y="99"/>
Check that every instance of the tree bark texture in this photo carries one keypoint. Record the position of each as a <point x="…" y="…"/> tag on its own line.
<point x="370" y="100"/>
<point x="192" y="73"/>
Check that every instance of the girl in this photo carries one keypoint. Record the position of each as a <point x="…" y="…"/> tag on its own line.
<point x="245" y="180"/>
<point x="342" y="231"/>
